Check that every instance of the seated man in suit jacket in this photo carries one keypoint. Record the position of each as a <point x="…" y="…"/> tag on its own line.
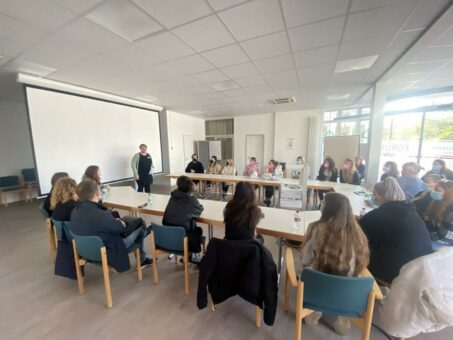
<point x="90" y="218"/>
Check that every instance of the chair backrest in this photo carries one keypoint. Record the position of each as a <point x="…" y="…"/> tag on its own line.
<point x="61" y="226"/>
<point x="169" y="238"/>
<point x="29" y="175"/>
<point x="9" y="181"/>
<point x="88" y="247"/>
<point x="339" y="295"/>
<point x="43" y="211"/>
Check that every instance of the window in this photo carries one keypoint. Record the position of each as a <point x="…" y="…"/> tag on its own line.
<point x="347" y="122"/>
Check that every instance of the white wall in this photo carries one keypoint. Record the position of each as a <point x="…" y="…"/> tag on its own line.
<point x="179" y="125"/>
<point x="15" y="143"/>
<point x="253" y="125"/>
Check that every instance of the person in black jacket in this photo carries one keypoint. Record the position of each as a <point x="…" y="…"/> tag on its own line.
<point x="182" y="210"/>
<point x="64" y="199"/>
<point x="395" y="232"/>
<point x="244" y="268"/>
<point x="327" y="172"/>
<point x="92" y="219"/>
<point x="349" y="173"/>
<point x="55" y="177"/>
<point x="195" y="166"/>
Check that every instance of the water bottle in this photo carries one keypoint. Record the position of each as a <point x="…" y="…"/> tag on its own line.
<point x="150" y="199"/>
<point x="297" y="221"/>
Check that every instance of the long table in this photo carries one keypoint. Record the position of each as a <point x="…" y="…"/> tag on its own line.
<point x="355" y="193"/>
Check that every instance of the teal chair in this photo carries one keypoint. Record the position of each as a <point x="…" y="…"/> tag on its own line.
<point x="59" y="227"/>
<point x="170" y="240"/>
<point x="50" y="232"/>
<point x="90" y="249"/>
<point x="351" y="297"/>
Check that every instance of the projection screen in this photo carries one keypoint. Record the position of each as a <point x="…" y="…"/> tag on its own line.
<point x="70" y="132"/>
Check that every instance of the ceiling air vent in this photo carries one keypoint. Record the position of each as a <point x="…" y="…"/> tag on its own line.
<point x="287" y="100"/>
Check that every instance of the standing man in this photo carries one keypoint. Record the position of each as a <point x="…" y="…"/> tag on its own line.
<point x="142" y="167"/>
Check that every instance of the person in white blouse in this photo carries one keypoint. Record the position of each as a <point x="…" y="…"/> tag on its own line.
<point x="228" y="170"/>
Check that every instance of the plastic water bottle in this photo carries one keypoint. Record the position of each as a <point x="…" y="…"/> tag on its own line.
<point x="149" y="201"/>
<point x="297" y="221"/>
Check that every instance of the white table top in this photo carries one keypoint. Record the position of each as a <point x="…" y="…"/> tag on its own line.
<point x="276" y="222"/>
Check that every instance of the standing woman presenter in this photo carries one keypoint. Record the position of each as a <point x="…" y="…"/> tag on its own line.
<point x="142" y="167"/>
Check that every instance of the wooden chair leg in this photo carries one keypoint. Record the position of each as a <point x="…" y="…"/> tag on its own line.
<point x="258" y="317"/>
<point x="287" y="288"/>
<point x="80" y="277"/>
<point x="368" y="317"/>
<point x="153" y="251"/>
<point x="138" y="264"/>
<point x="186" y="266"/>
<point x="52" y="240"/>
<point x="105" y="272"/>
<point x="299" y="309"/>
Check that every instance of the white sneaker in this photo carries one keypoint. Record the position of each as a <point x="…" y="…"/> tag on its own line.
<point x="342" y="326"/>
<point x="313" y="318"/>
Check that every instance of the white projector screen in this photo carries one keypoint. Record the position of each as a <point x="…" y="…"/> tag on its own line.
<point x="70" y="132"/>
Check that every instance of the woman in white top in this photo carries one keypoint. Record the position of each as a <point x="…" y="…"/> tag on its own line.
<point x="228" y="170"/>
<point x="274" y="169"/>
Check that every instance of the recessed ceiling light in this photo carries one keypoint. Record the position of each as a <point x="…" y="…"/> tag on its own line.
<point x="125" y="19"/>
<point x="338" y="96"/>
<point x="224" y="85"/>
<point x="355" y="64"/>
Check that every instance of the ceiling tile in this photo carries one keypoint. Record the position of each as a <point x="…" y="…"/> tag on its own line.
<point x="212" y="76"/>
<point x="424" y="14"/>
<point x="445" y="38"/>
<point x="326" y="54"/>
<point x="192" y="64"/>
<point x="173" y="13"/>
<point x="42" y="13"/>
<point x="315" y="75"/>
<point x="78" y="6"/>
<point x="222" y="4"/>
<point x="240" y="71"/>
<point x="4" y="59"/>
<point x="166" y="46"/>
<point x="403" y="40"/>
<point x="288" y="76"/>
<point x="204" y="34"/>
<point x="10" y="47"/>
<point x="326" y="32"/>
<point x="363" y="47"/>
<point x="15" y="30"/>
<point x="279" y="63"/>
<point x="253" y="19"/>
<point x="86" y="33"/>
<point x="225" y="56"/>
<point x="124" y="19"/>
<point x="301" y="12"/>
<point x="268" y="46"/>
<point x="364" y="5"/>
<point x="370" y="23"/>
<point x="430" y="66"/>
<point x="202" y="89"/>
<point x="251" y="81"/>
<point x="435" y="54"/>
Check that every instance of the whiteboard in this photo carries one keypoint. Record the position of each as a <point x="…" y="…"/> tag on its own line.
<point x="341" y="147"/>
<point x="71" y="132"/>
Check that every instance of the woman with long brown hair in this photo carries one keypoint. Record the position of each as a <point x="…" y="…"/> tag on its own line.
<point x="93" y="172"/>
<point x="335" y="245"/>
<point x="439" y="216"/>
<point x="242" y="214"/>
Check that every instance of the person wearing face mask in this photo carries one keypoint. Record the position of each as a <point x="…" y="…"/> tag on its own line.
<point x="252" y="169"/>
<point x="302" y="167"/>
<point x="195" y="166"/>
<point x="349" y="173"/>
<point x="273" y="169"/>
<point x="390" y="169"/>
<point x="228" y="170"/>
<point x="214" y="168"/>
<point x="439" y="168"/>
<point x="424" y="199"/>
<point x="327" y="172"/>
<point x="358" y="162"/>
<point x="395" y="232"/>
<point x="409" y="182"/>
<point x="438" y="214"/>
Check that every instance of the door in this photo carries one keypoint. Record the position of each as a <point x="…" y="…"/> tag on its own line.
<point x="254" y="147"/>
<point x="188" y="148"/>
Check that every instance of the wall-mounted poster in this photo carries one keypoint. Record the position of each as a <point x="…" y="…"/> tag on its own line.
<point x="290" y="143"/>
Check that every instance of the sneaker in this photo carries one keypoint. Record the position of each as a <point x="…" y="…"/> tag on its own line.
<point x="195" y="258"/>
<point x="147" y="262"/>
<point x="313" y="318"/>
<point x="342" y="326"/>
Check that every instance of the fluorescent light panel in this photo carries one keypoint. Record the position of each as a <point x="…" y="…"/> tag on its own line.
<point x="355" y="64"/>
<point x="338" y="96"/>
<point x="224" y="85"/>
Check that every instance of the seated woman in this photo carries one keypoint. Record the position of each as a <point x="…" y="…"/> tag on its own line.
<point x="273" y="169"/>
<point x="182" y="210"/>
<point x="242" y="214"/>
<point x="64" y="199"/>
<point x="390" y="169"/>
<point x="358" y="161"/>
<point x="409" y="182"/>
<point x="396" y="233"/>
<point x="55" y="177"/>
<point x="439" y="215"/>
<point x="228" y="170"/>
<point x="424" y="199"/>
<point x="214" y="168"/>
<point x="327" y="172"/>
<point x="252" y="168"/>
<point x="349" y="173"/>
<point x="93" y="172"/>
<point x="439" y="168"/>
<point x="335" y="245"/>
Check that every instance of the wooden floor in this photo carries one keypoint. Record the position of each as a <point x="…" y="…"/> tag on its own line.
<point x="35" y="304"/>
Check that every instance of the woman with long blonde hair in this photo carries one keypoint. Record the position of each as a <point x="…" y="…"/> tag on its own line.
<point x="439" y="216"/>
<point x="349" y="173"/>
<point x="64" y="198"/>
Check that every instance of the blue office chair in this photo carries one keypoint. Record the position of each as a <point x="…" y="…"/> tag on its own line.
<point x="90" y="249"/>
<point x="351" y="297"/>
<point x="170" y="240"/>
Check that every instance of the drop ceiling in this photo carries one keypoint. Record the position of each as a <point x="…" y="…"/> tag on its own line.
<point x="213" y="58"/>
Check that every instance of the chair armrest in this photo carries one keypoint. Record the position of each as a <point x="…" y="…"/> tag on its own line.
<point x="377" y="291"/>
<point x="290" y="268"/>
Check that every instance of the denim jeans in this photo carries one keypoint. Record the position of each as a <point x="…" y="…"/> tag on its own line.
<point x="138" y="236"/>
